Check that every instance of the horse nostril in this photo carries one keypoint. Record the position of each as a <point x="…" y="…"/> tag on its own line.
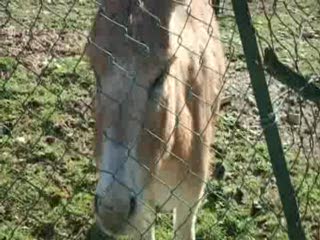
<point x="133" y="204"/>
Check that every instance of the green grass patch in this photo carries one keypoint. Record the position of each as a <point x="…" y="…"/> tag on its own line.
<point x="46" y="129"/>
<point x="52" y="14"/>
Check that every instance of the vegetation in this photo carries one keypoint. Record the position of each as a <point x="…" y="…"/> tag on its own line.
<point x="46" y="129"/>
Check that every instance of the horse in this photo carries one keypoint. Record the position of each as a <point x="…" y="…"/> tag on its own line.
<point x="159" y="69"/>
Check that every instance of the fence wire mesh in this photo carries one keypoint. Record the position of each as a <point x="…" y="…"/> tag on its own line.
<point x="47" y="95"/>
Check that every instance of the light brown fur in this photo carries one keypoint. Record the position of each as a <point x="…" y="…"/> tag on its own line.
<point x="178" y="115"/>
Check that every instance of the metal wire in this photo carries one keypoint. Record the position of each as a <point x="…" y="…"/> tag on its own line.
<point x="47" y="90"/>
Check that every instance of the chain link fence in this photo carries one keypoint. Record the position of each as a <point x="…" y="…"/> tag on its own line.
<point x="47" y="94"/>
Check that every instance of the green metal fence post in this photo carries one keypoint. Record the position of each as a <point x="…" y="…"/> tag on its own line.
<point x="260" y="88"/>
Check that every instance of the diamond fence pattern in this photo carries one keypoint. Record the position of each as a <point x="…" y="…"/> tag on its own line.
<point x="47" y="95"/>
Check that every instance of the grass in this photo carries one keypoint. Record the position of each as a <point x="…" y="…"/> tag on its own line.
<point x="46" y="146"/>
<point x="52" y="14"/>
<point x="46" y="129"/>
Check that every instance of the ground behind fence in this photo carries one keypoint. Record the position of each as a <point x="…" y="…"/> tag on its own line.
<point x="47" y="170"/>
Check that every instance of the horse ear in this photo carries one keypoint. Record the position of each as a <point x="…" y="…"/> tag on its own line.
<point x="117" y="10"/>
